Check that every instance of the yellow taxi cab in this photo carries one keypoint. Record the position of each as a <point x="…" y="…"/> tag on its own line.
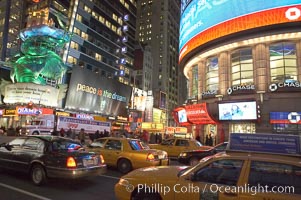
<point x="175" y="146"/>
<point x="127" y="154"/>
<point x="234" y="174"/>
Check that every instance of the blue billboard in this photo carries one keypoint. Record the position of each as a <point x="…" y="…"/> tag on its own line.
<point x="270" y="143"/>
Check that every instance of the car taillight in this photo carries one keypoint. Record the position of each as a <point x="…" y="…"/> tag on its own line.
<point x="150" y="157"/>
<point x="71" y="162"/>
<point x="102" y="160"/>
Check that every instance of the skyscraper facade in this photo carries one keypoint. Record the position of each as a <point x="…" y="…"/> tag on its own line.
<point x="158" y="26"/>
<point x="103" y="31"/>
<point x="11" y="15"/>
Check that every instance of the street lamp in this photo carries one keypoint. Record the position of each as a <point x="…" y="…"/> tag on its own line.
<point x="219" y="96"/>
<point x="261" y="93"/>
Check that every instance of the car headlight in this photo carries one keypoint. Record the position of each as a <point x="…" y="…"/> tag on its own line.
<point x="123" y="182"/>
<point x="183" y="154"/>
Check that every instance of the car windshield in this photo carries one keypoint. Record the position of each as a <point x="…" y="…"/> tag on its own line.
<point x="98" y="143"/>
<point x="189" y="169"/>
<point x="138" y="145"/>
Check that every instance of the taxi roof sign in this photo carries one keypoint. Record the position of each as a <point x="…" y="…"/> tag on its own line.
<point x="265" y="143"/>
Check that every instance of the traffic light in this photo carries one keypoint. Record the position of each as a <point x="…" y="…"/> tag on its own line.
<point x="30" y="105"/>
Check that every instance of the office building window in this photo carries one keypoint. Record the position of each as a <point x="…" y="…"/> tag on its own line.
<point x="283" y="62"/>
<point x="212" y="74"/>
<point x="242" y="67"/>
<point x="72" y="60"/>
<point x="79" y="18"/>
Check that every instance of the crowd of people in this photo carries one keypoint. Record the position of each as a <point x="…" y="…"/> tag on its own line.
<point x="209" y="141"/>
<point x="85" y="138"/>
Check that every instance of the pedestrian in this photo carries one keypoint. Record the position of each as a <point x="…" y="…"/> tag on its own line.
<point x="73" y="134"/>
<point x="91" y="136"/>
<point x="69" y="132"/>
<point x="207" y="140"/>
<point x="82" y="136"/>
<point x="198" y="138"/>
<point x="210" y="140"/>
<point x="106" y="133"/>
<point x="97" y="134"/>
<point x="62" y="132"/>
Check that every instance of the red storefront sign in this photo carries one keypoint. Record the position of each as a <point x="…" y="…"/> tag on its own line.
<point x="196" y="114"/>
<point x="22" y="110"/>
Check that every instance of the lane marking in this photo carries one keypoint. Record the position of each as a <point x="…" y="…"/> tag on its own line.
<point x="24" y="192"/>
<point x="113" y="177"/>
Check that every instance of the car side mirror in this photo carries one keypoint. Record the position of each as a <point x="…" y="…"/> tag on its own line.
<point x="8" y="147"/>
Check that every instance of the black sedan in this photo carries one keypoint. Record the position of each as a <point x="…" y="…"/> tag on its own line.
<point x="194" y="156"/>
<point x="45" y="157"/>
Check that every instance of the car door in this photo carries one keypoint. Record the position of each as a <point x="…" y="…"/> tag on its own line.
<point x="180" y="145"/>
<point x="112" y="149"/>
<point x="5" y="156"/>
<point x="270" y="180"/>
<point x="15" y="149"/>
<point x="211" y="181"/>
<point x="30" y="150"/>
<point x="166" y="145"/>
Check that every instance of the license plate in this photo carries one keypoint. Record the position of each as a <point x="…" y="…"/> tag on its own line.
<point x="89" y="162"/>
<point x="161" y="156"/>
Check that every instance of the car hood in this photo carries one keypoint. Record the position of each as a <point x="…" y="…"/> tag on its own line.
<point x="200" y="149"/>
<point x="164" y="172"/>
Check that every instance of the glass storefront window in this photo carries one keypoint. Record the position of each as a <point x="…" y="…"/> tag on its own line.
<point x="242" y="67"/>
<point x="212" y="74"/>
<point x="243" y="128"/>
<point x="283" y="62"/>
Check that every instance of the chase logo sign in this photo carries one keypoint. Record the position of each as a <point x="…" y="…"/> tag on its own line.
<point x="285" y="117"/>
<point x="276" y="86"/>
<point x="241" y="88"/>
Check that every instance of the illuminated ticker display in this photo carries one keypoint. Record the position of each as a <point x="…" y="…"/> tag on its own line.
<point x="205" y="20"/>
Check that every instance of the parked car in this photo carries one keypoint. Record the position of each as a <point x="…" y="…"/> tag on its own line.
<point x="235" y="175"/>
<point x="44" y="157"/>
<point x="174" y="146"/>
<point x="194" y="156"/>
<point x="127" y="153"/>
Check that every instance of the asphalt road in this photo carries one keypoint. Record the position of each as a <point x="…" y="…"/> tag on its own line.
<point x="16" y="186"/>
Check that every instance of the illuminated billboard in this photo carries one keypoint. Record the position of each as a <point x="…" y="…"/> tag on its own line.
<point x="238" y="111"/>
<point x="92" y="93"/>
<point x="206" y="20"/>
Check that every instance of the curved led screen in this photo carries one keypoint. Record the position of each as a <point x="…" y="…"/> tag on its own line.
<point x="206" y="20"/>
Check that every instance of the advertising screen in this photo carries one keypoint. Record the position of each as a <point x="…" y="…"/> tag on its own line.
<point x="206" y="20"/>
<point x="237" y="111"/>
<point x="182" y="116"/>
